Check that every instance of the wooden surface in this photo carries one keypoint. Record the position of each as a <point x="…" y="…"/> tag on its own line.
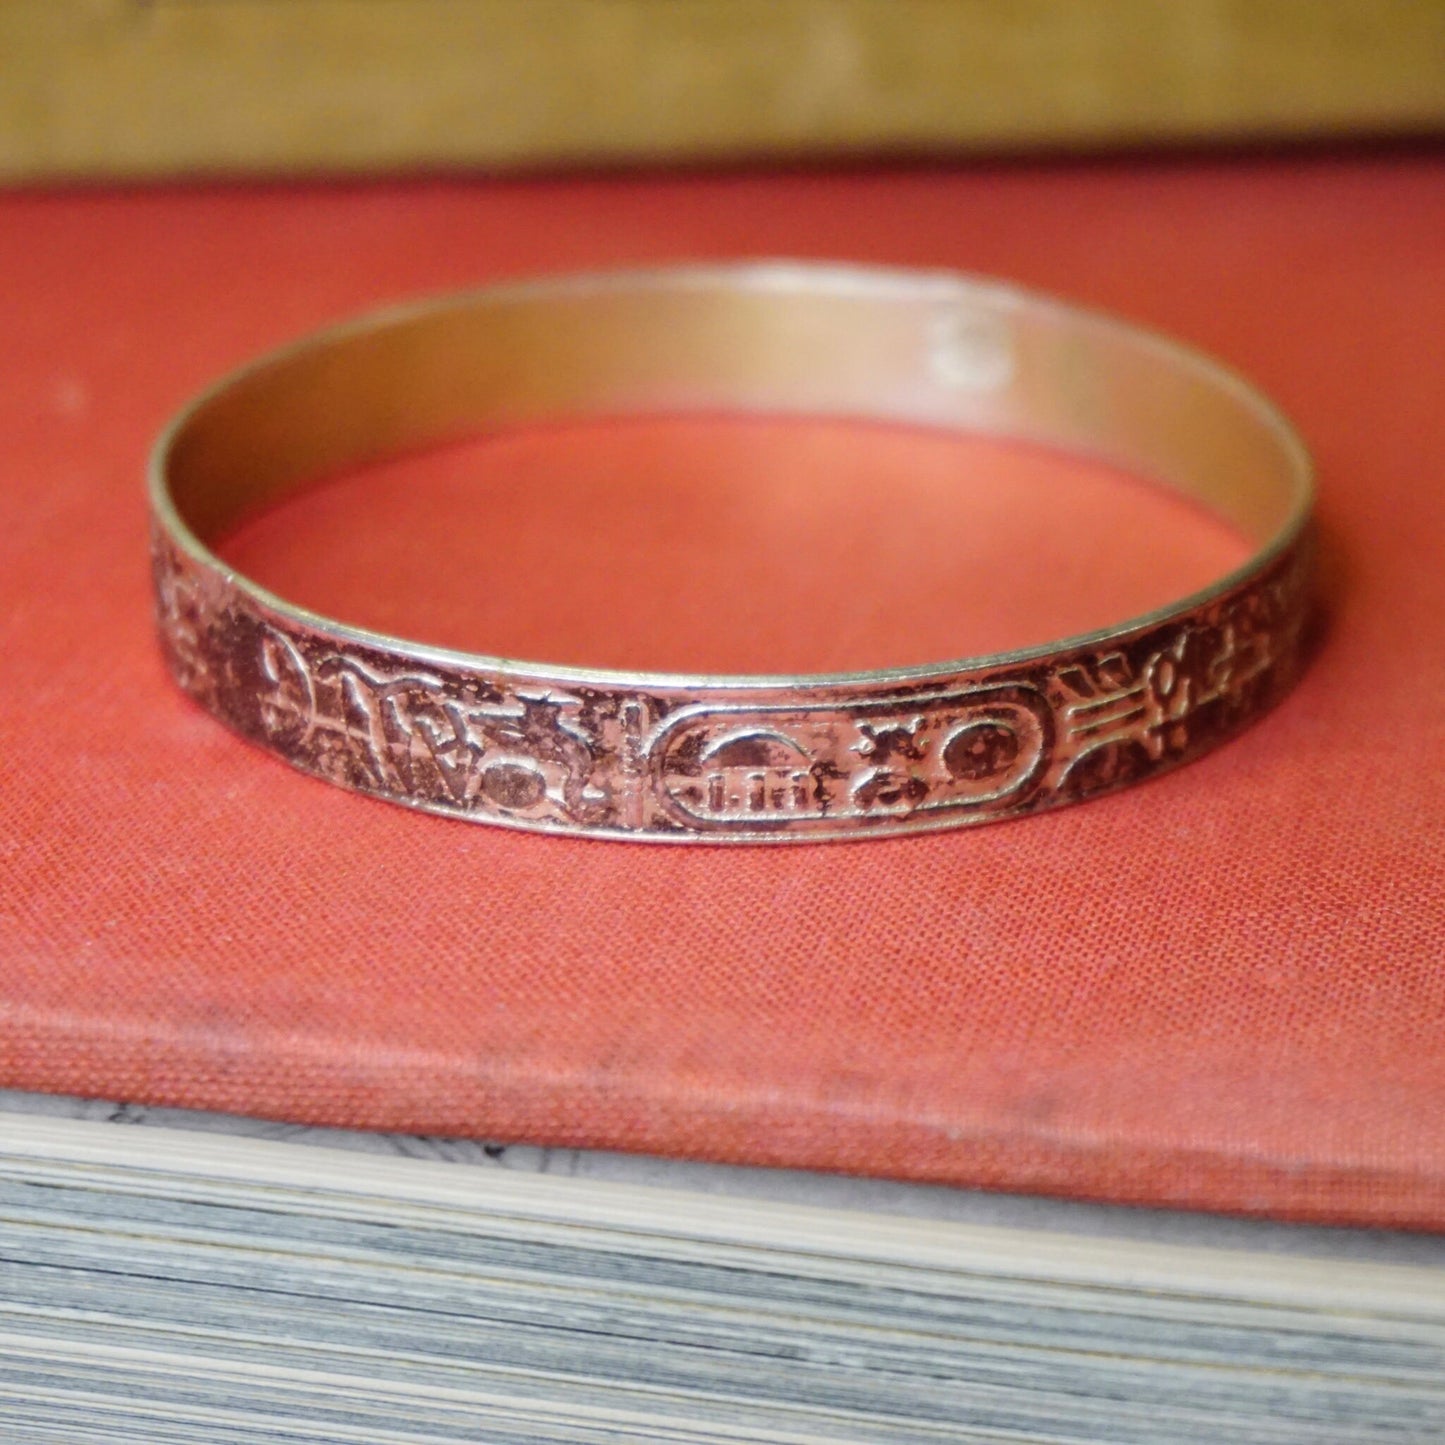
<point x="164" y="87"/>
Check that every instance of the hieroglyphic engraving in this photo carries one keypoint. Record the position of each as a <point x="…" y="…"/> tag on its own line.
<point x="416" y="734"/>
<point x="182" y="612"/>
<point x="287" y="701"/>
<point x="724" y="761"/>
<point x="760" y="767"/>
<point x="1121" y="717"/>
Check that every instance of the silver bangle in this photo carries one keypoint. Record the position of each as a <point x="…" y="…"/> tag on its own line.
<point x="730" y="758"/>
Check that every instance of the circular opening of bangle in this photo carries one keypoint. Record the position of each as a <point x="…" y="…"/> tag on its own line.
<point x="734" y="757"/>
<point x="777" y="339"/>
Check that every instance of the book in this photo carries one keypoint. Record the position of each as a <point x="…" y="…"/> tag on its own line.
<point x="181" y="1284"/>
<point x="1219" y="991"/>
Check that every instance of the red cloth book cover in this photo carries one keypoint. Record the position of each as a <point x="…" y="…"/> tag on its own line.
<point x="1223" y="989"/>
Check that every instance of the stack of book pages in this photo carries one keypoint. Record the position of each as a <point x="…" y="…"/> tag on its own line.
<point x="168" y="1285"/>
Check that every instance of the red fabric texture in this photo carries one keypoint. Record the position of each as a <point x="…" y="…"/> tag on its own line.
<point x="1223" y="989"/>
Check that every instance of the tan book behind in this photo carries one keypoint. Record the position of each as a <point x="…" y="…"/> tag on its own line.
<point x="119" y="88"/>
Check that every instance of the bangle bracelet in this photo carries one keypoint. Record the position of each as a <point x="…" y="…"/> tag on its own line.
<point x="725" y="758"/>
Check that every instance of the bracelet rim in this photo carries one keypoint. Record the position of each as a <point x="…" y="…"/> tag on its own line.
<point x="768" y="272"/>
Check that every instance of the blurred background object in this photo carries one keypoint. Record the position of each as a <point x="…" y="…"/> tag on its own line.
<point x="153" y="88"/>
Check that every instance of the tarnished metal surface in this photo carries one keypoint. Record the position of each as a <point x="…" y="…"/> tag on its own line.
<point x="748" y="759"/>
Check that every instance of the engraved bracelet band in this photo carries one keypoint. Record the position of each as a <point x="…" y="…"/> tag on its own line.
<point x="731" y="758"/>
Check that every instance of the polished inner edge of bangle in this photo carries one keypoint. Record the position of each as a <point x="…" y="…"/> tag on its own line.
<point x="781" y="338"/>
